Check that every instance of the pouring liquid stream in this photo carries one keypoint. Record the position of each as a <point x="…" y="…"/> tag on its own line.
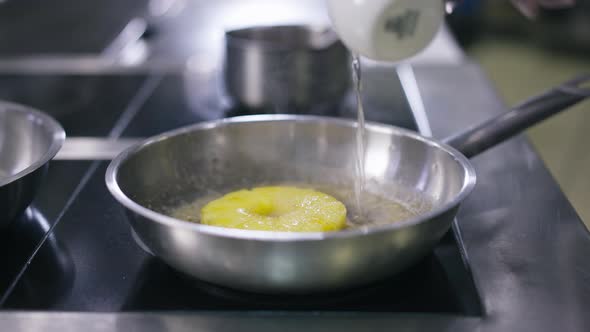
<point x="359" y="179"/>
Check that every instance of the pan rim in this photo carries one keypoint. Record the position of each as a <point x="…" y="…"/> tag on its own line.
<point x="235" y="39"/>
<point x="58" y="136"/>
<point x="153" y="216"/>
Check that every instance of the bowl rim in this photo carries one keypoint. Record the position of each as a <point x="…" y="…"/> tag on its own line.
<point x="325" y="35"/>
<point x="153" y="216"/>
<point x="57" y="136"/>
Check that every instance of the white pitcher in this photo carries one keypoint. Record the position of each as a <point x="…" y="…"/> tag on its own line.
<point x="386" y="30"/>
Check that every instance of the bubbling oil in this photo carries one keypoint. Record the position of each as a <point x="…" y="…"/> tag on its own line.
<point x="377" y="209"/>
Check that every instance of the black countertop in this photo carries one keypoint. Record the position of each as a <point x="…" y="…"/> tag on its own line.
<point x="89" y="261"/>
<point x="516" y="261"/>
<point x="37" y="27"/>
<point x="526" y="247"/>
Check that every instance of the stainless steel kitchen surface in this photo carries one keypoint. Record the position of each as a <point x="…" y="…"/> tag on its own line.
<point x="515" y="260"/>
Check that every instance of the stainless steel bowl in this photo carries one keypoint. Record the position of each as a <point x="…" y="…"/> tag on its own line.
<point x="29" y="139"/>
<point x="286" y="69"/>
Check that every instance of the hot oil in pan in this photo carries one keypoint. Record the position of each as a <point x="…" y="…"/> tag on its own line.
<point x="363" y="207"/>
<point x="377" y="210"/>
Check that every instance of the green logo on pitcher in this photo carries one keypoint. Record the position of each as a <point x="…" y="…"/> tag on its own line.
<point x="403" y="25"/>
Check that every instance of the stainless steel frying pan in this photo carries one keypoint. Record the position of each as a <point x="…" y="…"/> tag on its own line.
<point x="219" y="156"/>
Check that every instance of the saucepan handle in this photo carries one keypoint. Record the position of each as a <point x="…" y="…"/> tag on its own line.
<point x="521" y="117"/>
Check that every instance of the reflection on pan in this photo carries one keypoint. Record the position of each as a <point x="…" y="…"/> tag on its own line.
<point x="423" y="288"/>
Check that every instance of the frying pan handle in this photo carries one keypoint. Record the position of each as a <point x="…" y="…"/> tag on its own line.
<point x="521" y="117"/>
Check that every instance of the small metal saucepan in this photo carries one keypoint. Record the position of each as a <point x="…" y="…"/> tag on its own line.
<point x="29" y="139"/>
<point x="279" y="69"/>
<point x="219" y="156"/>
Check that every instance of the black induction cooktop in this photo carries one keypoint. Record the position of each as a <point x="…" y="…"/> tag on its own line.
<point x="73" y="250"/>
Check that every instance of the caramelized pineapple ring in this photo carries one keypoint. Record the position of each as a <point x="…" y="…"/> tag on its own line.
<point x="284" y="209"/>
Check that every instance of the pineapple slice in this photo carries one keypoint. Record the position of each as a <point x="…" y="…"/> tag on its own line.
<point x="284" y="209"/>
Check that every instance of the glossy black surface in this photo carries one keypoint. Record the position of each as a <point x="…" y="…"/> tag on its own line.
<point x="107" y="271"/>
<point x="17" y="246"/>
<point x="16" y="196"/>
<point x="423" y="288"/>
<point x="178" y="100"/>
<point x="18" y="241"/>
<point x="33" y="27"/>
<point x="21" y="237"/>
<point x="99" y="267"/>
<point x="84" y="105"/>
<point x="527" y="249"/>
